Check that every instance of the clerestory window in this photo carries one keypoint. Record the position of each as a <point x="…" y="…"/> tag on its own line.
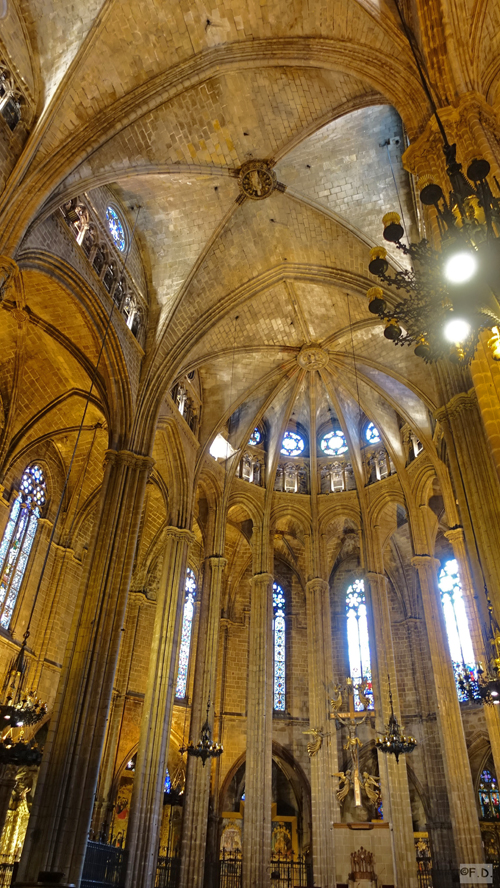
<point x="187" y="628"/>
<point x="279" y="647"/>
<point x="359" y="646"/>
<point x="18" y="539"/>
<point x="457" y="626"/>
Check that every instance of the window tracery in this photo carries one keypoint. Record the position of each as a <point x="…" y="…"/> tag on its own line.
<point x="18" y="539"/>
<point x="186" y="632"/>
<point x="372" y="434"/>
<point x="115" y="226"/>
<point x="279" y="647"/>
<point x="256" y="437"/>
<point x="359" y="644"/>
<point x="292" y="444"/>
<point x="11" y="98"/>
<point x="333" y="443"/>
<point x="457" y="624"/>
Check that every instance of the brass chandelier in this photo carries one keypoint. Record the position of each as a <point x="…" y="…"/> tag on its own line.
<point x="450" y="294"/>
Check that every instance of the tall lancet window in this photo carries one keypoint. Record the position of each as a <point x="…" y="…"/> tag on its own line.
<point x="279" y="638"/>
<point x="187" y="628"/>
<point x="359" y="646"/>
<point x="457" y="624"/>
<point x="18" y="539"/>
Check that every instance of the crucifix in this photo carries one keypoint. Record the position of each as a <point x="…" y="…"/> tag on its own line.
<point x="349" y="721"/>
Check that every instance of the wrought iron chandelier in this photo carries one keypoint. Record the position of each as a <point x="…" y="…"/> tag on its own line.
<point x="19" y="709"/>
<point x="394" y="741"/>
<point x="206" y="747"/>
<point x="449" y="295"/>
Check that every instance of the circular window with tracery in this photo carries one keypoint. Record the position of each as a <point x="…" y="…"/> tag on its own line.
<point x="116" y="228"/>
<point x="372" y="434"/>
<point x="292" y="444"/>
<point x="333" y="443"/>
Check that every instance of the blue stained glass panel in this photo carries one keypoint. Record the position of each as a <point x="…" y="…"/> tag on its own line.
<point x="279" y="630"/>
<point x="116" y="228"/>
<point x="187" y="627"/>
<point x="489" y="798"/>
<point x="372" y="434"/>
<point x="358" y="643"/>
<point x="168" y="786"/>
<point x="333" y="443"/>
<point x="255" y="437"/>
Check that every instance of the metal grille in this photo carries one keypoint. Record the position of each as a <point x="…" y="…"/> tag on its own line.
<point x="103" y="866"/>
<point x="167" y="872"/>
<point x="288" y="872"/>
<point x="424" y="860"/>
<point x="230" y="869"/>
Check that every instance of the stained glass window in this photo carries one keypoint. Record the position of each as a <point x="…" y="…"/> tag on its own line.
<point x="292" y="444"/>
<point x="168" y="785"/>
<point x="372" y="434"/>
<point x="489" y="797"/>
<point x="116" y="228"/>
<point x="333" y="443"/>
<point x="359" y="646"/>
<point x="18" y="539"/>
<point x="457" y="625"/>
<point x="187" y="626"/>
<point x="279" y="634"/>
<point x="255" y="437"/>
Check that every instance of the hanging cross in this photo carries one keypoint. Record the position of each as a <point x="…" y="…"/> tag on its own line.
<point x="348" y="720"/>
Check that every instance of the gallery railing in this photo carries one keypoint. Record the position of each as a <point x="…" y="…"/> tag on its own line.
<point x="167" y="872"/>
<point x="104" y="866"/>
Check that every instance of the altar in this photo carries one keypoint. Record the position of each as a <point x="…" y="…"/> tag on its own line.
<point x="364" y="855"/>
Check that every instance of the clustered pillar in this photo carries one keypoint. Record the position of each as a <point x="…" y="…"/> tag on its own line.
<point x="147" y="797"/>
<point x="60" y="819"/>
<point x="258" y="788"/>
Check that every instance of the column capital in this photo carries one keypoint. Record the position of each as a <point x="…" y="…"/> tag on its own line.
<point x="129" y="459"/>
<point x="456" y="406"/>
<point x="217" y="561"/>
<point x="455" y="534"/>
<point x="374" y="575"/>
<point x="262" y="578"/>
<point x="317" y="585"/>
<point x="181" y="534"/>
<point x="424" y="561"/>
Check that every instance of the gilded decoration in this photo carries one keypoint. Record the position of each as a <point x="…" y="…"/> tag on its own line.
<point x="257" y="180"/>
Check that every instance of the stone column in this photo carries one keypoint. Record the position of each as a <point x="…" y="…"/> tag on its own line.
<point x="146" y="807"/>
<point x="325" y="763"/>
<point x="461" y="795"/>
<point x="60" y="819"/>
<point x="197" y="794"/>
<point x="258" y="773"/>
<point x="396" y="800"/>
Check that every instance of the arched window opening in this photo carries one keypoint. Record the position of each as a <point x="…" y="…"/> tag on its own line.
<point x="359" y="646"/>
<point x="187" y="627"/>
<point x="279" y="647"/>
<point x="18" y="539"/>
<point x="489" y="797"/>
<point x="116" y="228"/>
<point x="457" y="626"/>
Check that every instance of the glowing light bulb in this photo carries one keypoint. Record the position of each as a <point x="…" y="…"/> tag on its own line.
<point x="460" y="267"/>
<point x="456" y="330"/>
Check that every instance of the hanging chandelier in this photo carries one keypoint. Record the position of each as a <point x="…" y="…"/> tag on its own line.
<point x="394" y="741"/>
<point x="18" y="709"/>
<point x="206" y="747"/>
<point x="452" y="293"/>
